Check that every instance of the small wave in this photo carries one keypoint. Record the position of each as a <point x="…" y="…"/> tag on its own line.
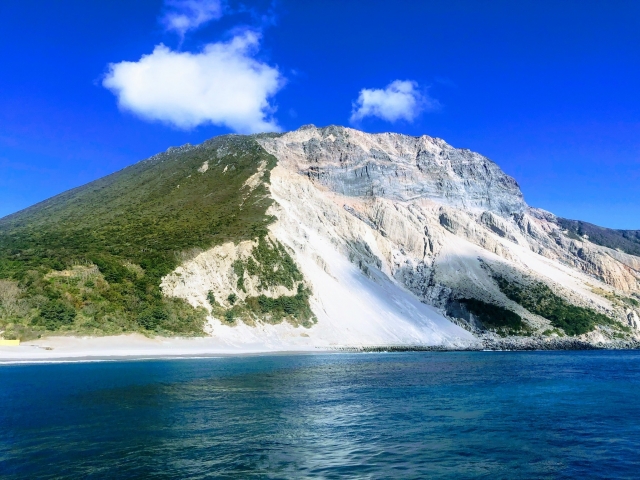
<point x="101" y="360"/>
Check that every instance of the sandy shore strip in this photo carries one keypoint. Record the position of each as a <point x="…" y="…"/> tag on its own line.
<point x="138" y="347"/>
<point x="131" y="347"/>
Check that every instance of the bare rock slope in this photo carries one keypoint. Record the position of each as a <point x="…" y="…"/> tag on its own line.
<point x="408" y="241"/>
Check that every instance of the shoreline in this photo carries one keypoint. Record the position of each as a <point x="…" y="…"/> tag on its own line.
<point x="134" y="347"/>
<point x="137" y="358"/>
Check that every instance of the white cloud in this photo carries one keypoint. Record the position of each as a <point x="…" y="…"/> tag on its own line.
<point x="184" y="15"/>
<point x="400" y="100"/>
<point x="223" y="85"/>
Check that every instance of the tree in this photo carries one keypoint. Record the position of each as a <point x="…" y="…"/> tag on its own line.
<point x="9" y="294"/>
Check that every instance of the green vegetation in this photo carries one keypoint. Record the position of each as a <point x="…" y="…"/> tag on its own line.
<point x="55" y="314"/>
<point x="616" y="299"/>
<point x="538" y="298"/>
<point x="80" y="300"/>
<point x="552" y="331"/>
<point x="496" y="318"/>
<point x="295" y="307"/>
<point x="238" y="269"/>
<point x="100" y="250"/>
<point x="627" y="241"/>
<point x="292" y="308"/>
<point x="273" y="266"/>
<point x="211" y="298"/>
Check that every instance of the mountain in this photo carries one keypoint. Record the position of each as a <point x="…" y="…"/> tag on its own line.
<point x="316" y="237"/>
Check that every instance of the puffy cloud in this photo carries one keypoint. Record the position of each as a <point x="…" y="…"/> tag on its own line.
<point x="184" y="15"/>
<point x="222" y="85"/>
<point x="400" y="100"/>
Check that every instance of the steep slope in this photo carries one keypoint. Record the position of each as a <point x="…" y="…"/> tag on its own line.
<point x="317" y="237"/>
<point x="464" y="232"/>
<point x="627" y="241"/>
<point x="91" y="259"/>
<point x="414" y="218"/>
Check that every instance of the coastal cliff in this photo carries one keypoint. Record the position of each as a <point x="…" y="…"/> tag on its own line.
<point x="320" y="237"/>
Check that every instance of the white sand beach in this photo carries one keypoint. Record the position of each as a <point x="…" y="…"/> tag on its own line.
<point x="131" y="346"/>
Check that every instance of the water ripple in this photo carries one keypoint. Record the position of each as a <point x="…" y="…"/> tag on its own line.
<point x="410" y="415"/>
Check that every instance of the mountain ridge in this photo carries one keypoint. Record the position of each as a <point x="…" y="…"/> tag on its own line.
<point x="423" y="229"/>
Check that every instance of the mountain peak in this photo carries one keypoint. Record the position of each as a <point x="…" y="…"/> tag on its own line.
<point x="340" y="237"/>
<point x="396" y="166"/>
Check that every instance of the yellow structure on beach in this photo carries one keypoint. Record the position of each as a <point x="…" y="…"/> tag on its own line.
<point x="9" y="343"/>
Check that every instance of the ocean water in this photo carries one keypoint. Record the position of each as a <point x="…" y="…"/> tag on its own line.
<point x="401" y="415"/>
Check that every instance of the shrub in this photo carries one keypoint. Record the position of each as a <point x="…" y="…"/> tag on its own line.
<point x="152" y="319"/>
<point x="55" y="314"/>
<point x="295" y="307"/>
<point x="232" y="298"/>
<point x="494" y="316"/>
<point x="273" y="265"/>
<point x="211" y="298"/>
<point x="238" y="269"/>
<point x="538" y="298"/>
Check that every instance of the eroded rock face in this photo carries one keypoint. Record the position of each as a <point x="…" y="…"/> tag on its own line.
<point x="389" y="230"/>
<point x="439" y="213"/>
<point x="397" y="167"/>
<point x="477" y="200"/>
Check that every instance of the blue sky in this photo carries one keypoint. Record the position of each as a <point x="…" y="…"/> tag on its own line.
<point x="548" y="90"/>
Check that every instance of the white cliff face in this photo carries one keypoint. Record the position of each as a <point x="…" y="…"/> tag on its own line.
<point x="356" y="300"/>
<point x="397" y="167"/>
<point x="389" y="229"/>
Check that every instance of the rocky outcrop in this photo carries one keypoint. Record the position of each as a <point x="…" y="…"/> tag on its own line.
<point x="397" y="167"/>
<point x="390" y="231"/>
<point x="494" y="343"/>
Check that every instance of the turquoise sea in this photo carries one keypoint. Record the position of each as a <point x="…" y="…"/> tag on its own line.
<point x="397" y="415"/>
